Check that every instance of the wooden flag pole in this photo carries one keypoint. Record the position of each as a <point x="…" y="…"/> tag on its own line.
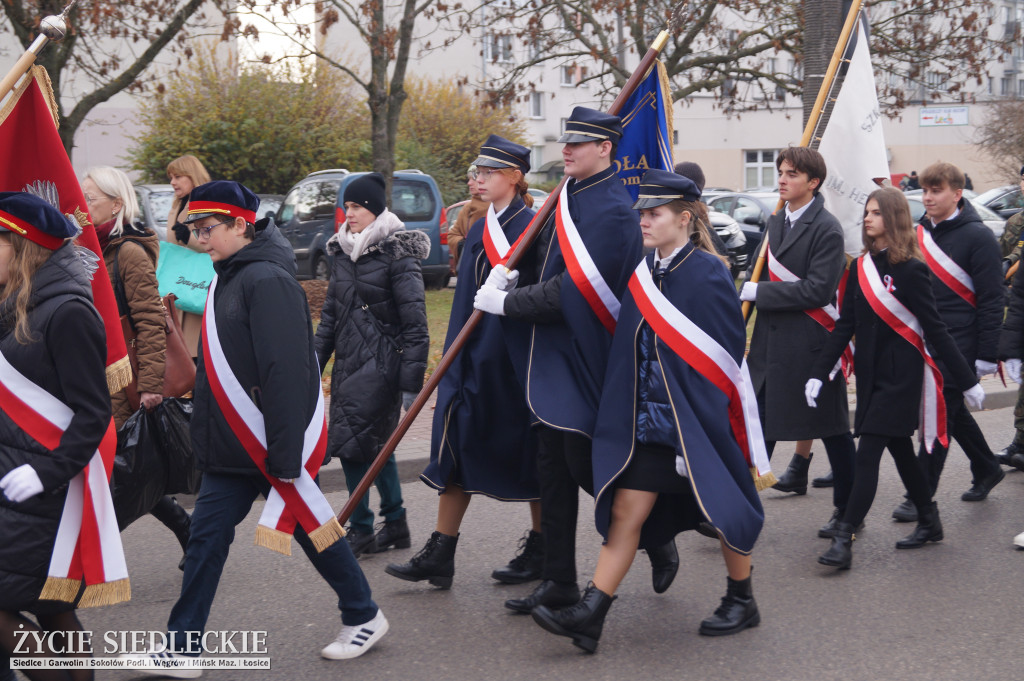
<point x="51" y="28"/>
<point x="812" y="124"/>
<point x="529" y="236"/>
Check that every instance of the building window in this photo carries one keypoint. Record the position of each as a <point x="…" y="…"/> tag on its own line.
<point x="1005" y="86"/>
<point x="534" y="51"/>
<point x="675" y="138"/>
<point x="936" y="81"/>
<point x="568" y="75"/>
<point x="759" y="168"/>
<point x="1020" y="88"/>
<point x="498" y="48"/>
<point x="561" y="125"/>
<point x="536" y="105"/>
<point x="536" y="157"/>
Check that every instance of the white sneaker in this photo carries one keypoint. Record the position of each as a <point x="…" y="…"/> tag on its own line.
<point x="356" y="640"/>
<point x="164" y="663"/>
<point x="1019" y="540"/>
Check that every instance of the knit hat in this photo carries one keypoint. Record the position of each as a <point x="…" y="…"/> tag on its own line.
<point x="35" y="219"/>
<point x="368" y="192"/>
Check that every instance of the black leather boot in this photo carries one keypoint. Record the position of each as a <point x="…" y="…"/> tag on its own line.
<point x="664" y="565"/>
<point x="581" y="622"/>
<point x="826" y="480"/>
<point x="737" y="612"/>
<point x="177" y="520"/>
<point x="929" y="528"/>
<point x="828" y="529"/>
<point x="394" y="533"/>
<point x="526" y="566"/>
<point x="840" y="554"/>
<point x="435" y="562"/>
<point x="550" y="593"/>
<point x="795" y="477"/>
<point x="360" y="542"/>
<point x="905" y="512"/>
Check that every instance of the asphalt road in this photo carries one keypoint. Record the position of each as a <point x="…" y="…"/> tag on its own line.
<point x="949" y="611"/>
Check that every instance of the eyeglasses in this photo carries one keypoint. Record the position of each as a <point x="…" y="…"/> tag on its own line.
<point x="90" y="199"/>
<point x="485" y="174"/>
<point x="204" y="232"/>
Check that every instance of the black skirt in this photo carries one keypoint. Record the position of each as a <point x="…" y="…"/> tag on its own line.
<point x="653" y="469"/>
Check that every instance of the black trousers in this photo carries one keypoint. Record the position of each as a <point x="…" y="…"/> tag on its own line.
<point x="865" y="479"/>
<point x="964" y="429"/>
<point x="841" y="455"/>
<point x="563" y="466"/>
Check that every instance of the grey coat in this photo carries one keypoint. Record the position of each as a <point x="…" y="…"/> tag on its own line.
<point x="786" y="341"/>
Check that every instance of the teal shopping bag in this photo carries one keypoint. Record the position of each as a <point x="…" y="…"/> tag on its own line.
<point x="185" y="273"/>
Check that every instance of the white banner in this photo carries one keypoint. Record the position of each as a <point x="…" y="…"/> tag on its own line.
<point x="853" y="146"/>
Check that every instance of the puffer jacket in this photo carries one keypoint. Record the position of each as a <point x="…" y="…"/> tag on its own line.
<point x="136" y="251"/>
<point x="67" y="360"/>
<point x="655" y="424"/>
<point x="374" y="322"/>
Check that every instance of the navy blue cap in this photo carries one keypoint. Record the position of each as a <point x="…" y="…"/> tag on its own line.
<point x="589" y="125"/>
<point x="29" y="216"/>
<point x="222" y="198"/>
<point x="658" y="187"/>
<point x="498" y="152"/>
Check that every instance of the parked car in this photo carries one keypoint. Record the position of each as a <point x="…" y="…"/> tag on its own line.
<point x="732" y="236"/>
<point x="1007" y="200"/>
<point x="155" y="205"/>
<point x="539" y="197"/>
<point x="269" y="205"/>
<point x="751" y="211"/>
<point x="313" y="211"/>
<point x="992" y="220"/>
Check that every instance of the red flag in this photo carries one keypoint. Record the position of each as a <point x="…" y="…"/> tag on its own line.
<point x="33" y="152"/>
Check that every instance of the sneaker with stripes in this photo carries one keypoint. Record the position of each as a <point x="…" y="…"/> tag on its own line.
<point x="164" y="663"/>
<point x="355" y="640"/>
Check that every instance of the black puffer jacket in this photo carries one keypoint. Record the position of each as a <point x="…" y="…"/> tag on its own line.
<point x="66" y="361"/>
<point x="374" y="321"/>
<point x="265" y="330"/>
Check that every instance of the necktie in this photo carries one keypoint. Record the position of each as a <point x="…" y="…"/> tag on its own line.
<point x="786" y="228"/>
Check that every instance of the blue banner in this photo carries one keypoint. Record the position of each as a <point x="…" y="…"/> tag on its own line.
<point x="646" y="130"/>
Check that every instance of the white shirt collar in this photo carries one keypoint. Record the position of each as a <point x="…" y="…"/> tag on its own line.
<point x="665" y="262"/>
<point x="955" y="213"/>
<point x="794" y="215"/>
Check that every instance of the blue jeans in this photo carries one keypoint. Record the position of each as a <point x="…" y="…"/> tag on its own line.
<point x="389" y="487"/>
<point x="223" y="502"/>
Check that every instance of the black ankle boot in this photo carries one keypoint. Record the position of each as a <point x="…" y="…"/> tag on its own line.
<point x="840" y="554"/>
<point x="737" y="612"/>
<point x="795" y="477"/>
<point x="929" y="528"/>
<point x="664" y="565"/>
<point x="394" y="533"/>
<point x="526" y="566"/>
<point x="550" y="593"/>
<point x="581" y="622"/>
<point x="435" y="562"/>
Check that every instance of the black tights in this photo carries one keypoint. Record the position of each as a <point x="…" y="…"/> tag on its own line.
<point x="865" y="477"/>
<point x="13" y="622"/>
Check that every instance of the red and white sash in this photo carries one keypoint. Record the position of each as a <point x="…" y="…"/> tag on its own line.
<point x="88" y="544"/>
<point x="702" y="352"/>
<point x="826" y="316"/>
<point x="582" y="269"/>
<point x="902" y="321"/>
<point x="945" y="268"/>
<point x="495" y="242"/>
<point x="300" y="502"/>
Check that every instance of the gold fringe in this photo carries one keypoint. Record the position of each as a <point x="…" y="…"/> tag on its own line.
<point x="763" y="482"/>
<point x="107" y="593"/>
<point x="60" y="589"/>
<point x="119" y="375"/>
<point x="327" y="534"/>
<point x="275" y="540"/>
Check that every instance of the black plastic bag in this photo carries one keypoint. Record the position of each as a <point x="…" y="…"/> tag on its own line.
<point x="172" y="419"/>
<point x="140" y="473"/>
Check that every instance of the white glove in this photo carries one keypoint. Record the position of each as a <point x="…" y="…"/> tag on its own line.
<point x="749" y="292"/>
<point x="21" y="483"/>
<point x="975" y="396"/>
<point x="407" y="399"/>
<point x="290" y="481"/>
<point x="502" y="278"/>
<point x="983" y="368"/>
<point x="490" y="299"/>
<point x="1013" y="369"/>
<point x="811" y="390"/>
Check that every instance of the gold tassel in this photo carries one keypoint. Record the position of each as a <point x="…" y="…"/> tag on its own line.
<point x="107" y="593"/>
<point x="275" y="540"/>
<point x="327" y="534"/>
<point x="119" y="374"/>
<point x="763" y="482"/>
<point x="60" y="589"/>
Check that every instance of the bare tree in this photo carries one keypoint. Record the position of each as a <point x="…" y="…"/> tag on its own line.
<point x="108" y="49"/>
<point x="1001" y="136"/>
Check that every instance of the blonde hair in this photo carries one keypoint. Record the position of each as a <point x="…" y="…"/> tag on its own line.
<point x="522" y="185"/>
<point x="189" y="166"/>
<point x="116" y="185"/>
<point x="700" y="236"/>
<point x="28" y="258"/>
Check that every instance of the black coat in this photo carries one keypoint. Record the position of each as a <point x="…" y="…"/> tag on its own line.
<point x="68" y="361"/>
<point x="1011" y="342"/>
<point x="374" y="322"/>
<point x="265" y="330"/>
<point x="889" y="369"/>
<point x="970" y="244"/>
<point x="785" y="339"/>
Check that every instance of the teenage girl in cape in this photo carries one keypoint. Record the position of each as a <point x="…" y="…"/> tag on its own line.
<point x="887" y="283"/>
<point x="669" y="458"/>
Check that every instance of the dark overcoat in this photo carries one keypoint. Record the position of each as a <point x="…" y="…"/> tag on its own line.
<point x="889" y="369"/>
<point x="786" y="340"/>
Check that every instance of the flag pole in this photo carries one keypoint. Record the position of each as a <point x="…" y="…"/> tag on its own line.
<point x="524" y="243"/>
<point x="812" y="124"/>
<point x="50" y="28"/>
